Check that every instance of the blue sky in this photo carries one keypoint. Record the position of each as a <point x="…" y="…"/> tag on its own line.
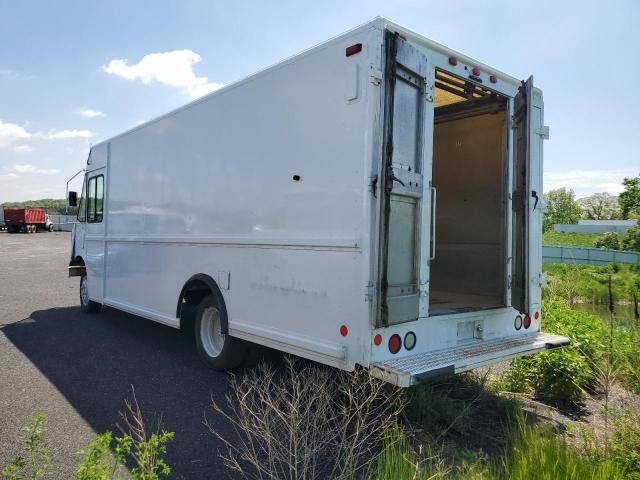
<point x="77" y="72"/>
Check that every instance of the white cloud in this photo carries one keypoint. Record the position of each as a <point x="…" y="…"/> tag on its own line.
<point x="90" y="113"/>
<point x="11" y="133"/>
<point x="139" y="122"/>
<point x="587" y="182"/>
<point x="173" y="68"/>
<point x="26" y="168"/>
<point x="8" y="176"/>
<point x="54" y="134"/>
<point x="22" y="148"/>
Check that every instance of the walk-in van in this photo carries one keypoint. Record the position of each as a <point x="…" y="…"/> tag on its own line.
<point x="375" y="200"/>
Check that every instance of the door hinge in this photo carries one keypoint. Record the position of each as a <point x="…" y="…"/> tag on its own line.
<point x="428" y="93"/>
<point x="369" y="292"/>
<point x="543" y="132"/>
<point x="424" y="288"/>
<point x="376" y="75"/>
<point x="542" y="280"/>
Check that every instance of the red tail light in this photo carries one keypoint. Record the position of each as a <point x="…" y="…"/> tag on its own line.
<point x="527" y="321"/>
<point x="377" y="340"/>
<point x="395" y="343"/>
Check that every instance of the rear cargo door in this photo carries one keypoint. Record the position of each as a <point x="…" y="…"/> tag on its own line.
<point x="404" y="212"/>
<point x="526" y="196"/>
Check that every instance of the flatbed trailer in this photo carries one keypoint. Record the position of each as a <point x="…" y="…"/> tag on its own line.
<point x="375" y="201"/>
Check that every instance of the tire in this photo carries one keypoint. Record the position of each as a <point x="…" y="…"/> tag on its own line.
<point x="219" y="352"/>
<point x="88" y="306"/>
<point x="50" y="228"/>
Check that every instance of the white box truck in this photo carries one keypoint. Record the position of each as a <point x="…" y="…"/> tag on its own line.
<point x="375" y="200"/>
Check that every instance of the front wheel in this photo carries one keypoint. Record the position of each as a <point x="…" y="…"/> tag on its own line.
<point x="51" y="228"/>
<point x="88" y="306"/>
<point x="217" y="350"/>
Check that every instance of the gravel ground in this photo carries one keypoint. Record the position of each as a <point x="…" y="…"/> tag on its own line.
<point x="78" y="368"/>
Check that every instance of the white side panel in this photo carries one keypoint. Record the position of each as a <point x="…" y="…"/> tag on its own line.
<point x="267" y="180"/>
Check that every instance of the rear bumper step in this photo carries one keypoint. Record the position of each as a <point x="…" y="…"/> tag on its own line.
<point x="406" y="371"/>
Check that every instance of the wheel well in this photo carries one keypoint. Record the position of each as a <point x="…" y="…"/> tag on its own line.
<point x="76" y="266"/>
<point x="196" y="288"/>
<point x="77" y="262"/>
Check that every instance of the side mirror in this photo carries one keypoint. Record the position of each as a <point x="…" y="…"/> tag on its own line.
<point x="73" y="199"/>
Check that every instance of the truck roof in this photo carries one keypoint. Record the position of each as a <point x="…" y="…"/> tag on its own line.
<point x="379" y="22"/>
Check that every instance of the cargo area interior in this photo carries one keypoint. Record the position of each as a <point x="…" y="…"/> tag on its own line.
<point x="469" y="174"/>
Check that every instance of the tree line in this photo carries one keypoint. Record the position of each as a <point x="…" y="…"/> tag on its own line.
<point x="563" y="207"/>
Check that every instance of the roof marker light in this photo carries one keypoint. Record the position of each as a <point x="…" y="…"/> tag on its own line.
<point x="353" y="49"/>
<point x="493" y="79"/>
<point x="453" y="61"/>
<point x="475" y="71"/>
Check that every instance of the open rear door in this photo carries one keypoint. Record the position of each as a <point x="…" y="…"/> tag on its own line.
<point x="405" y="216"/>
<point x="521" y="195"/>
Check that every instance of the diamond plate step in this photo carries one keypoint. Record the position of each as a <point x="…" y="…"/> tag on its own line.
<point x="412" y="369"/>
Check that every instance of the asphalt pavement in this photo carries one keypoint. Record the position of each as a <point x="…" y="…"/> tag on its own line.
<point x="78" y="368"/>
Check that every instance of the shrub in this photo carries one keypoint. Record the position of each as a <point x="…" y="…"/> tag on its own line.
<point x="35" y="463"/>
<point x="631" y="240"/>
<point x="560" y="376"/>
<point x="144" y="451"/>
<point x="609" y="241"/>
<point x="597" y="351"/>
<point x="308" y="421"/>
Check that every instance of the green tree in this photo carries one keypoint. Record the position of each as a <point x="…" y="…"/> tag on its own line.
<point x="610" y="241"/>
<point x="630" y="197"/>
<point x="631" y="240"/>
<point x="600" y="206"/>
<point x="562" y="208"/>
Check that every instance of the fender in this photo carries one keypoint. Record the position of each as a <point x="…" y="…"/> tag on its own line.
<point x="215" y="290"/>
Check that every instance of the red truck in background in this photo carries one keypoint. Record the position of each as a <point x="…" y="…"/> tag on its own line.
<point x="27" y="220"/>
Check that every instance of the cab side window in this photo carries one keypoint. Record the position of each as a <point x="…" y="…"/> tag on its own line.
<point x="95" y="199"/>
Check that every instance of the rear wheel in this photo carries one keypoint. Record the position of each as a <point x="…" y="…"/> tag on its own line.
<point x="50" y="228"/>
<point x="217" y="350"/>
<point x="88" y="306"/>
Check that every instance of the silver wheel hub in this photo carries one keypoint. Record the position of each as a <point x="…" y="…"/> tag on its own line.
<point x="84" y="293"/>
<point x="211" y="332"/>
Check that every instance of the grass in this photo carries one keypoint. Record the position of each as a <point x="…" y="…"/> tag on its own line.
<point x="589" y="283"/>
<point x="586" y="240"/>
<point x="533" y="453"/>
